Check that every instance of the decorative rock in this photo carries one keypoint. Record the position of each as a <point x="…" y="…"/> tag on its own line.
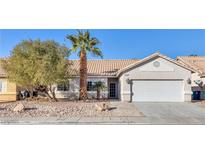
<point x="19" y="107"/>
<point x="59" y="109"/>
<point x="104" y="107"/>
<point x="98" y="107"/>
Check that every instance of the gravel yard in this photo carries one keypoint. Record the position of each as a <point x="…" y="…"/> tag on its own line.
<point x="67" y="109"/>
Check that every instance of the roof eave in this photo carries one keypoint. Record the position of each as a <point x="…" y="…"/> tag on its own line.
<point x="157" y="54"/>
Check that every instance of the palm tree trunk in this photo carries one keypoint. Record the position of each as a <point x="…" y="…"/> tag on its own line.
<point x="83" y="76"/>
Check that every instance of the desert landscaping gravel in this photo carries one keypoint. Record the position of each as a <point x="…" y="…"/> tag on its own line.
<point x="65" y="109"/>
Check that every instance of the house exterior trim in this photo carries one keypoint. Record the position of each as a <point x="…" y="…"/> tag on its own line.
<point x="157" y="54"/>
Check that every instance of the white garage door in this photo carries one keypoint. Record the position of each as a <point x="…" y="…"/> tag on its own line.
<point x="157" y="91"/>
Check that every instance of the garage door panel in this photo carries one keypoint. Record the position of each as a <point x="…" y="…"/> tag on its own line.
<point x="157" y="91"/>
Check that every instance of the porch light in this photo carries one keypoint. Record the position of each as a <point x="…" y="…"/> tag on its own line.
<point x="128" y="81"/>
<point x="189" y="81"/>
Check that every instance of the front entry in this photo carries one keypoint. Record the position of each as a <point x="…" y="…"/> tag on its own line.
<point x="113" y="90"/>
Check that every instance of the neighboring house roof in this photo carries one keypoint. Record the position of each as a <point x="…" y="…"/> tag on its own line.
<point x="195" y="62"/>
<point x="155" y="55"/>
<point x="103" y="67"/>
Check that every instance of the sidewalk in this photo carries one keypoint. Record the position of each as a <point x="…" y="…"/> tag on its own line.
<point x="103" y="121"/>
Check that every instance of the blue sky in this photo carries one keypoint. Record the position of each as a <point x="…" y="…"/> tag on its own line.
<point x="118" y="44"/>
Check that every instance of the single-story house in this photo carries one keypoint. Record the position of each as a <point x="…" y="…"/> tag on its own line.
<point x="156" y="78"/>
<point x="198" y="64"/>
<point x="8" y="90"/>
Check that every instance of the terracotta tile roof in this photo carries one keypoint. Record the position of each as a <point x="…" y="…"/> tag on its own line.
<point x="103" y="67"/>
<point x="195" y="62"/>
<point x="95" y="67"/>
<point x="113" y="67"/>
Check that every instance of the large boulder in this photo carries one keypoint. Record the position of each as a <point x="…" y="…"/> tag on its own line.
<point x="102" y="107"/>
<point x="19" y="107"/>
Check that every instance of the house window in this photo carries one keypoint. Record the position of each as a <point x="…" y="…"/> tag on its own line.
<point x="90" y="86"/>
<point x="3" y="86"/>
<point x="63" y="87"/>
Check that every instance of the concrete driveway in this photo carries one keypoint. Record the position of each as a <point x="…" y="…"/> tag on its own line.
<point x="170" y="113"/>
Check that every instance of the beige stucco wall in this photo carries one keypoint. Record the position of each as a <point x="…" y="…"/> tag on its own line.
<point x="167" y="70"/>
<point x="73" y="92"/>
<point x="10" y="91"/>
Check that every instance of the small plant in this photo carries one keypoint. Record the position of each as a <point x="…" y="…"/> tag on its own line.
<point x="98" y="87"/>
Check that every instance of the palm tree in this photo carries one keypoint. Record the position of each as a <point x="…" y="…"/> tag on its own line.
<point x="99" y="86"/>
<point x="83" y="44"/>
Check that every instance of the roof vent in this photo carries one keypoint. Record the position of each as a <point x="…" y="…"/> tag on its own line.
<point x="156" y="64"/>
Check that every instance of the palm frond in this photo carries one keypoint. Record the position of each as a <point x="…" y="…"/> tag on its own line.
<point x="99" y="85"/>
<point x="93" y="42"/>
<point x="75" y="42"/>
<point x="97" y="52"/>
<point x="72" y="38"/>
<point x="80" y="36"/>
<point x="87" y="35"/>
<point x="84" y="42"/>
